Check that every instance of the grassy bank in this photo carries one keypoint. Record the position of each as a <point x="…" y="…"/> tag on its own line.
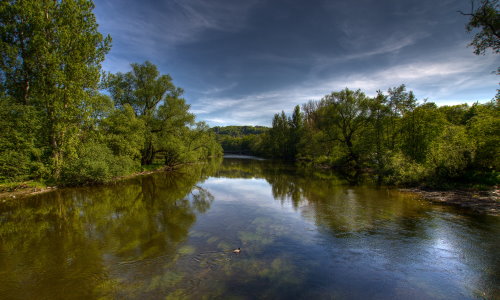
<point x="32" y="187"/>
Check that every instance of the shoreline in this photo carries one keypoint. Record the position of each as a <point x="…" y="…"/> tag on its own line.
<point x="483" y="202"/>
<point x="479" y="201"/>
<point x="23" y="191"/>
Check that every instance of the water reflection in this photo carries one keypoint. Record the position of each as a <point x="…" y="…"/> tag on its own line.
<point x="71" y="243"/>
<point x="304" y="234"/>
<point x="393" y="243"/>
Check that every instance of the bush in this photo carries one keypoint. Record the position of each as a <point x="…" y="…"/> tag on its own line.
<point x="450" y="154"/>
<point x="404" y="171"/>
<point x="14" y="165"/>
<point x="96" y="164"/>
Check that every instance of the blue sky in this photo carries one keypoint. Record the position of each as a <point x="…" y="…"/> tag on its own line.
<point x="240" y="62"/>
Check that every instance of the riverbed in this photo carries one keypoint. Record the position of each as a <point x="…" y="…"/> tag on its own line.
<point x="303" y="234"/>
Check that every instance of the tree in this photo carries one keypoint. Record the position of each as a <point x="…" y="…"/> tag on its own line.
<point x="124" y="133"/>
<point x="400" y="102"/>
<point x="144" y="89"/>
<point x="450" y="154"/>
<point x="278" y="139"/>
<point x="484" y="129"/>
<point x="170" y="132"/>
<point x="345" y="118"/>
<point x="51" y="54"/>
<point x="378" y="138"/>
<point x="486" y="18"/>
<point x="419" y="128"/>
<point x="296" y="130"/>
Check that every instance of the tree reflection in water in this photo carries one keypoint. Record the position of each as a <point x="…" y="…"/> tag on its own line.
<point x="71" y="243"/>
<point x="304" y="233"/>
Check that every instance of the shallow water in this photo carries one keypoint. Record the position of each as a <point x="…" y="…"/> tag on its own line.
<point x="304" y="234"/>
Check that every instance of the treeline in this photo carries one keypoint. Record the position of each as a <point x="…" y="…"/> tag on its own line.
<point x="63" y="120"/>
<point x="393" y="136"/>
<point x="239" y="139"/>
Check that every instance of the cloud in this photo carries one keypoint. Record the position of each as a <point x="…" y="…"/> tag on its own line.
<point x="439" y="79"/>
<point x="171" y="22"/>
<point x="242" y="61"/>
<point x="142" y="30"/>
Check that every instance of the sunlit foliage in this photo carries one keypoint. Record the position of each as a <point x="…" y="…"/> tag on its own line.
<point x="392" y="136"/>
<point x="57" y="126"/>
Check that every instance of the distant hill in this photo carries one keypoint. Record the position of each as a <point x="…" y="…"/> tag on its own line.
<point x="239" y="131"/>
<point x="239" y="139"/>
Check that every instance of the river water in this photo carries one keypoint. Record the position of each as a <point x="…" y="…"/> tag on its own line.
<point x="303" y="234"/>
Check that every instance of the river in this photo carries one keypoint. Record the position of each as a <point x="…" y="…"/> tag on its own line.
<point x="303" y="234"/>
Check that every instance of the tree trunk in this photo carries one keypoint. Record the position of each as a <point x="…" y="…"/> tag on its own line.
<point x="148" y="153"/>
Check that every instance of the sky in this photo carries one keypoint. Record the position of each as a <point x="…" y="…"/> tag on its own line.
<point x="241" y="61"/>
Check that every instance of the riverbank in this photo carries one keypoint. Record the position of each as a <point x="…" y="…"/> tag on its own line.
<point x="29" y="188"/>
<point x="485" y="202"/>
<point x="20" y="189"/>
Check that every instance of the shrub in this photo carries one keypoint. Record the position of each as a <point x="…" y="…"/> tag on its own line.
<point x="450" y="154"/>
<point x="404" y="171"/>
<point x="96" y="164"/>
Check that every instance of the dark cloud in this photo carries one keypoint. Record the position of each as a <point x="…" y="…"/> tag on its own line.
<point x="242" y="61"/>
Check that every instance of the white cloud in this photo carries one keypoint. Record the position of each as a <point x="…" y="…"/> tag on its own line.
<point x="450" y="78"/>
<point x="171" y="22"/>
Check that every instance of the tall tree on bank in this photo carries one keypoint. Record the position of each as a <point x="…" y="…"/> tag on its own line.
<point x="345" y="119"/>
<point x="51" y="54"/>
<point x="155" y="100"/>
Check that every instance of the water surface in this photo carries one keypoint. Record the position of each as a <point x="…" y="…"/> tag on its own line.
<point x="304" y="234"/>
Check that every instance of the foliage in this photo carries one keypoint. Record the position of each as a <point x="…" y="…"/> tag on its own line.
<point x="484" y="128"/>
<point x="450" y="154"/>
<point x="124" y="132"/>
<point x="144" y="89"/>
<point x="392" y="136"/>
<point x="50" y="63"/>
<point x="96" y="163"/>
<point x="240" y="139"/>
<point x="20" y="154"/>
<point x="487" y="19"/>
<point x="56" y="125"/>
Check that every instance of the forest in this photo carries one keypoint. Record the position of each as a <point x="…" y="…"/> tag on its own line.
<point x="392" y="136"/>
<point x="238" y="139"/>
<point x="67" y="122"/>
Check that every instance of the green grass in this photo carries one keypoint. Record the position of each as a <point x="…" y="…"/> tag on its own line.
<point x="13" y="186"/>
<point x="152" y="167"/>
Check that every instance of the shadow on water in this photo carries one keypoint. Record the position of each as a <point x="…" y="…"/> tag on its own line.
<point x="304" y="234"/>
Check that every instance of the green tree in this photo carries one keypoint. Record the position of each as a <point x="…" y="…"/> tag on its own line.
<point x="279" y="137"/>
<point x="400" y="102"/>
<point x="450" y="154"/>
<point x="456" y="114"/>
<point x="345" y="120"/>
<point x="170" y="132"/>
<point x="124" y="132"/>
<point x="419" y="128"/>
<point x="378" y="137"/>
<point x="144" y="89"/>
<point x="51" y="59"/>
<point x="484" y="129"/>
<point x="20" y="151"/>
<point x="486" y="18"/>
<point x="296" y="131"/>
